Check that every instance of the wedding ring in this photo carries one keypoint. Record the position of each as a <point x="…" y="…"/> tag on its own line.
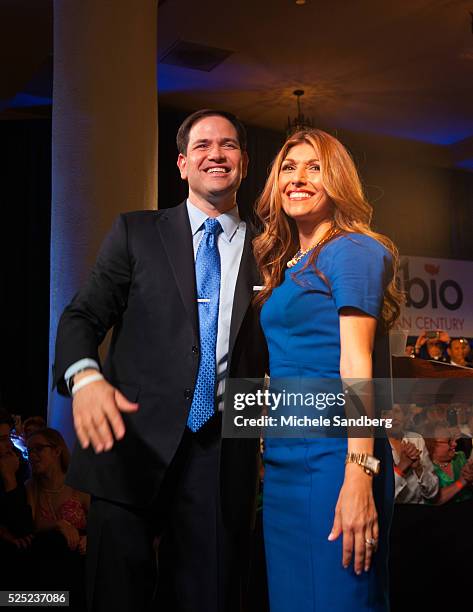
<point x="370" y="542"/>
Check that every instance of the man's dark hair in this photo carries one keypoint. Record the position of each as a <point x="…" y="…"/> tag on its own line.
<point x="182" y="139"/>
<point x="461" y="340"/>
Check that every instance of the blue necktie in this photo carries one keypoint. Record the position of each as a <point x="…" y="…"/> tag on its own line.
<point x="207" y="273"/>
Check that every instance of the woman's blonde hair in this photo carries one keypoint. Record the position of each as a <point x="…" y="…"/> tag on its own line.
<point x="279" y="242"/>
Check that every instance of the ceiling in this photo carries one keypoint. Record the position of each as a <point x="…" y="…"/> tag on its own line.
<point x="394" y="69"/>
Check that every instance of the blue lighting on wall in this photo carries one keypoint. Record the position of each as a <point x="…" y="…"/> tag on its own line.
<point x="443" y="133"/>
<point x="465" y="164"/>
<point x="26" y="100"/>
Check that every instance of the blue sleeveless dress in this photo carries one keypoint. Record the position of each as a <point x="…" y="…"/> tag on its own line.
<point x="303" y="477"/>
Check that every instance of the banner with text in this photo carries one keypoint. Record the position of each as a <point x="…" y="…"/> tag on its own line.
<point x="439" y="296"/>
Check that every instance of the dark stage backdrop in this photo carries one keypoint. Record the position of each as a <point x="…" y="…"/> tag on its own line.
<point x="25" y="195"/>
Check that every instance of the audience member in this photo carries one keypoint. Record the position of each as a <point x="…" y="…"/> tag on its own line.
<point x="60" y="518"/>
<point x="465" y="420"/>
<point x="32" y="424"/>
<point x="430" y="414"/>
<point x="15" y="515"/>
<point x="16" y="525"/>
<point x="415" y="480"/>
<point x="432" y="345"/>
<point x="55" y="505"/>
<point x="458" y="351"/>
<point x="6" y="424"/>
<point x="455" y="474"/>
<point x="457" y="418"/>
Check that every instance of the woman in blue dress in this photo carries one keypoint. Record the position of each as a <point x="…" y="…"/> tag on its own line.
<point x="329" y="282"/>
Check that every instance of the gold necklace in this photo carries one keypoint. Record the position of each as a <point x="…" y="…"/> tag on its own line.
<point x="300" y="254"/>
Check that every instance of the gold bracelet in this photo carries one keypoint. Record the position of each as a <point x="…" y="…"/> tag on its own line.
<point x="368" y="463"/>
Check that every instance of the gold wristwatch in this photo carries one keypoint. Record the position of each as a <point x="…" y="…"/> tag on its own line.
<point x="369" y="463"/>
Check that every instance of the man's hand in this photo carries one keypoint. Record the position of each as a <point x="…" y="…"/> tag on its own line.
<point x="96" y="409"/>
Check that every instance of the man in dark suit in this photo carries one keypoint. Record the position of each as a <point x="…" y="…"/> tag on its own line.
<point x="176" y="286"/>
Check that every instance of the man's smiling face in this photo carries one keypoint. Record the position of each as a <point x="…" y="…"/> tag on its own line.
<point x="214" y="164"/>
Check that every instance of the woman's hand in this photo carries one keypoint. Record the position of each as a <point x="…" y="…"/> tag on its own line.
<point x="421" y="340"/>
<point x="413" y="453"/>
<point x="356" y="518"/>
<point x="24" y="542"/>
<point x="21" y="543"/>
<point x="69" y="532"/>
<point x="82" y="548"/>
<point x="444" y="337"/>
<point x="467" y="473"/>
<point x="405" y="460"/>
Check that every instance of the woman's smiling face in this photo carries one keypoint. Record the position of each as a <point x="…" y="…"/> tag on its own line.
<point x="300" y="184"/>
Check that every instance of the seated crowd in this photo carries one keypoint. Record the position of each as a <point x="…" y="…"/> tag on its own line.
<point x="43" y="521"/>
<point x="432" y="467"/>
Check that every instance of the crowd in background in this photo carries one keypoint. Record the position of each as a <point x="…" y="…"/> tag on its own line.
<point x="432" y="444"/>
<point x="432" y="529"/>
<point x="439" y="346"/>
<point x="432" y="467"/>
<point x="43" y="521"/>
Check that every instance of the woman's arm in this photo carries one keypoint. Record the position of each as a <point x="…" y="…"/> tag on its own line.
<point x="465" y="479"/>
<point x="357" y="332"/>
<point x="447" y="493"/>
<point x="355" y="514"/>
<point x="84" y="499"/>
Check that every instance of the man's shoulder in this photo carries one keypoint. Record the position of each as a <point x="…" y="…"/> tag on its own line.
<point x="146" y="217"/>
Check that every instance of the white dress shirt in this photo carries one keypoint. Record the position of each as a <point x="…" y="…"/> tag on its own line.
<point x="414" y="489"/>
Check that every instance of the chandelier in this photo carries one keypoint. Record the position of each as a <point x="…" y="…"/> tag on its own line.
<point x="300" y="122"/>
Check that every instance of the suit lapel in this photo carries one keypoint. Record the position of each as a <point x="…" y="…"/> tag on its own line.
<point x="176" y="234"/>
<point x="247" y="278"/>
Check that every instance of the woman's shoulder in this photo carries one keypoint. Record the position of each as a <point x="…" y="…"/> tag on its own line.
<point x="355" y="242"/>
<point x="84" y="498"/>
<point x="355" y="252"/>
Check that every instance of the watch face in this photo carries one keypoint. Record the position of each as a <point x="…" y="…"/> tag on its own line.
<point x="373" y="464"/>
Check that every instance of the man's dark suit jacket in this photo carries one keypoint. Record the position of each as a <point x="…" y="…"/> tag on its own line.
<point x="143" y="284"/>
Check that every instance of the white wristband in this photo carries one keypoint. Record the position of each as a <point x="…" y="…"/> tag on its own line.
<point x="86" y="381"/>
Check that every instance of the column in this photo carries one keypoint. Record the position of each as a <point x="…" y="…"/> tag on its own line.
<point x="104" y="158"/>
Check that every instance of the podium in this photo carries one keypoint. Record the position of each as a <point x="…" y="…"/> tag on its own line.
<point x="408" y="367"/>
